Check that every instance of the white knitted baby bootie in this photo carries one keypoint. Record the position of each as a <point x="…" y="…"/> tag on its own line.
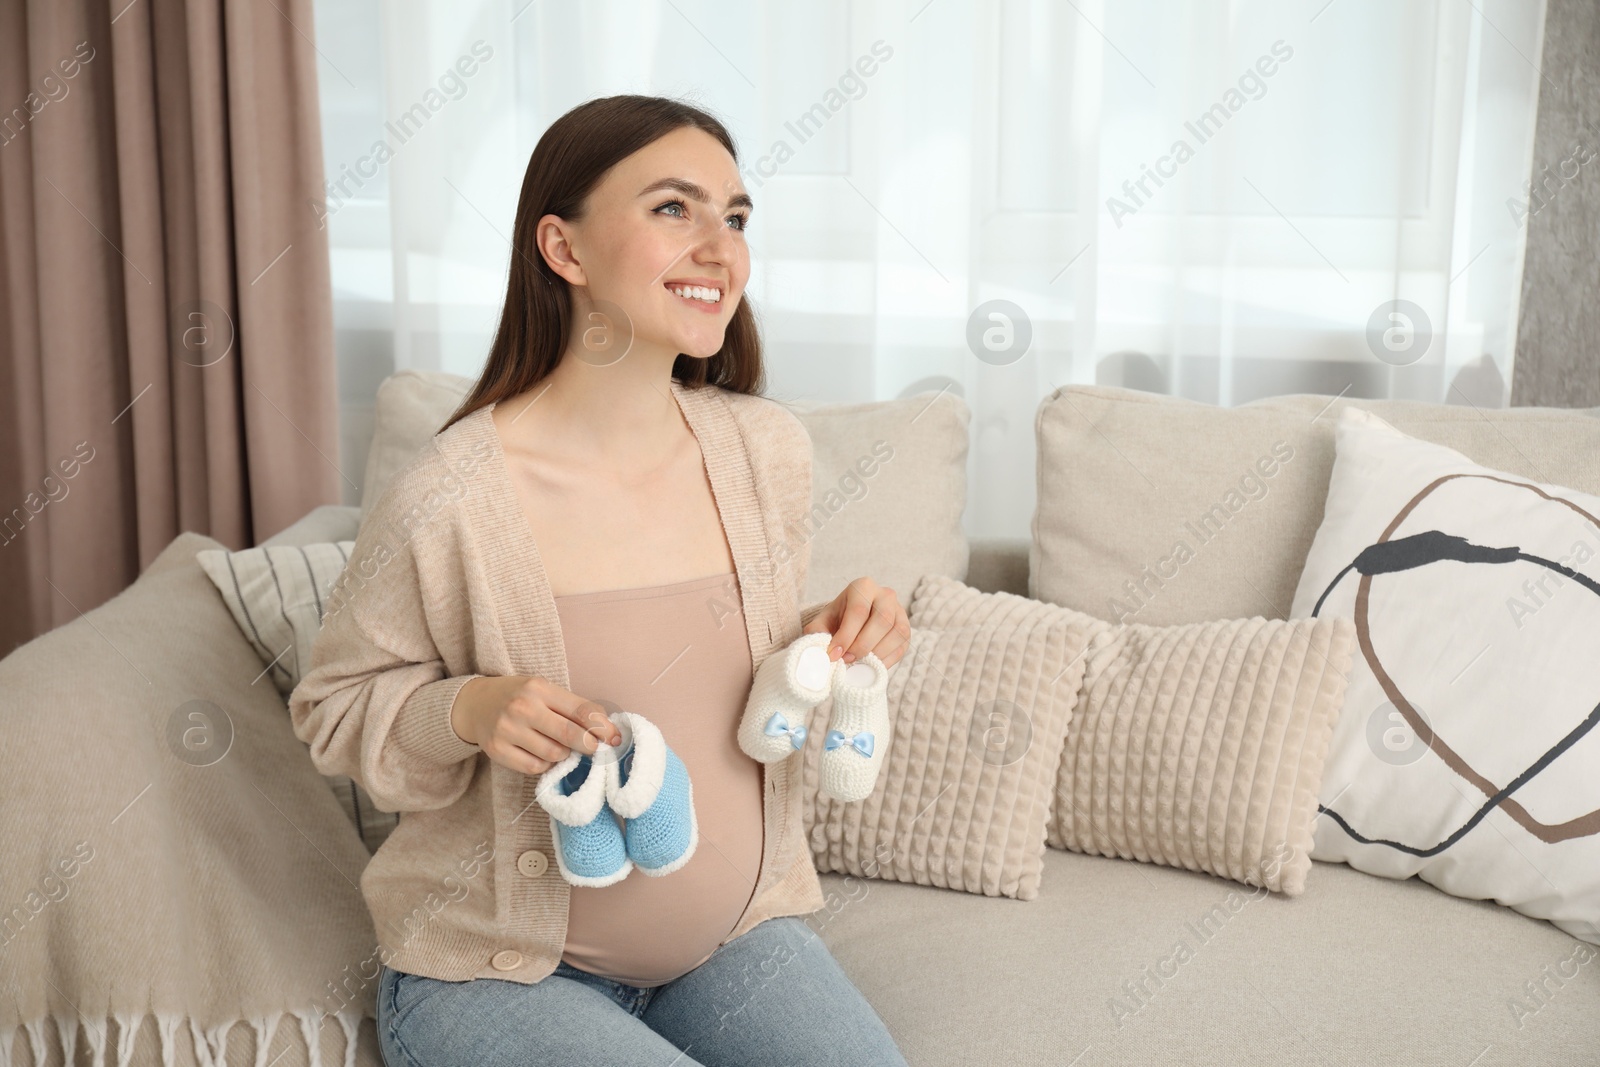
<point x="858" y="730"/>
<point x="788" y="684"/>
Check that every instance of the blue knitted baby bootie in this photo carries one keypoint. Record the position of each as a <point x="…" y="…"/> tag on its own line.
<point x="589" y="846"/>
<point x="651" y="792"/>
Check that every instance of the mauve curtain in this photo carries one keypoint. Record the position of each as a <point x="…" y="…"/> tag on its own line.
<point x="166" y="338"/>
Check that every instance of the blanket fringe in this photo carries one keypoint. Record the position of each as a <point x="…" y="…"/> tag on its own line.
<point x="264" y="1027"/>
<point x="210" y="1046"/>
<point x="127" y="1030"/>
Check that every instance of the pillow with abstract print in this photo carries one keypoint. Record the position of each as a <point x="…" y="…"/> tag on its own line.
<point x="1466" y="751"/>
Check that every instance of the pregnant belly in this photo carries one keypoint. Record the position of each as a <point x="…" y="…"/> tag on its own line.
<point x="646" y="930"/>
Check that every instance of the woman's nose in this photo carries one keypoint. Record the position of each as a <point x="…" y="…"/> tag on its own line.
<point x="713" y="232"/>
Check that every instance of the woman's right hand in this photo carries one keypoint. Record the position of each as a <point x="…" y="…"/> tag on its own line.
<point x="528" y="723"/>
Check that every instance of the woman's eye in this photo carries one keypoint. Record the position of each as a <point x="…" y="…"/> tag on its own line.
<point x="744" y="220"/>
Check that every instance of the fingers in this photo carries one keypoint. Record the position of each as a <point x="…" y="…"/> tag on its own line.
<point x="880" y="622"/>
<point x="543" y="724"/>
<point x="580" y="717"/>
<point x="857" y="607"/>
<point x="892" y="649"/>
<point x="873" y="621"/>
<point x="524" y="749"/>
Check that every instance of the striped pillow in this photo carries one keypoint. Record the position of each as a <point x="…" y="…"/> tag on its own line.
<point x="277" y="595"/>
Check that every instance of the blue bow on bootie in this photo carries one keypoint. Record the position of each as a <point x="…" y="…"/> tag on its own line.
<point x="861" y="742"/>
<point x="778" y="725"/>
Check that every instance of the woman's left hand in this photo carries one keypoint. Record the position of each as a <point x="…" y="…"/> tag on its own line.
<point x="866" y="617"/>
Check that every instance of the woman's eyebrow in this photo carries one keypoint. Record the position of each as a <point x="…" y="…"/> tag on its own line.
<point x="694" y="192"/>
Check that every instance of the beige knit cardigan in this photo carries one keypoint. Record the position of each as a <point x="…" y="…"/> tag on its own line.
<point x="445" y="584"/>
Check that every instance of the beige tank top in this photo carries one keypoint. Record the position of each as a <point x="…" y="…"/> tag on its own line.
<point x="678" y="654"/>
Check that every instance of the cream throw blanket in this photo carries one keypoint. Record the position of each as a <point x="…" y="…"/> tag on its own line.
<point x="177" y="880"/>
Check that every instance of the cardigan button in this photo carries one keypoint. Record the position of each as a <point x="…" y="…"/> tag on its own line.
<point x="533" y="863"/>
<point x="508" y="960"/>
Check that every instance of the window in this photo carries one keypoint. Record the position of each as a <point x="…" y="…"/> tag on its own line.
<point x="1215" y="199"/>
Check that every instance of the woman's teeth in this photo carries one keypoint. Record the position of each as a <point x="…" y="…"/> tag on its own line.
<point x="695" y="292"/>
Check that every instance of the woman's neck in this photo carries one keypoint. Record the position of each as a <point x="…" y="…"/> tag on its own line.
<point x="622" y="415"/>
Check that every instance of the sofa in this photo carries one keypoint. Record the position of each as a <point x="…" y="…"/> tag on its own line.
<point x="1357" y="969"/>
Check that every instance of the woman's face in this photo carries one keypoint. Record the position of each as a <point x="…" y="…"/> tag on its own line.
<point x="670" y="216"/>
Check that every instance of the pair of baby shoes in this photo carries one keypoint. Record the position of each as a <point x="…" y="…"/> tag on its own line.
<point x="790" y="683"/>
<point x="641" y="780"/>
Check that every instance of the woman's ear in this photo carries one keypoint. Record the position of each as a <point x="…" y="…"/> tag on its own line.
<point x="554" y="236"/>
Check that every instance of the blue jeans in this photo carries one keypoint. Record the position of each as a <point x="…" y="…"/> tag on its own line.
<point x="773" y="995"/>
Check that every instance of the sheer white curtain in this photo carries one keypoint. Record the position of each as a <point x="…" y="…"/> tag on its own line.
<point x="1215" y="199"/>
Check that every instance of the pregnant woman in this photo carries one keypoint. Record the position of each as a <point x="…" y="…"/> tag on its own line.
<point x="610" y="512"/>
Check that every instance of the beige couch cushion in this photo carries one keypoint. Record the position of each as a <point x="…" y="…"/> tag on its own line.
<point x="888" y="482"/>
<point x="1358" y="971"/>
<point x="326" y="522"/>
<point x="888" y="488"/>
<point x="411" y="407"/>
<point x="1160" y="510"/>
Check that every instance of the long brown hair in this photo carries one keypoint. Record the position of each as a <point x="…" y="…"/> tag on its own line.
<point x="568" y="162"/>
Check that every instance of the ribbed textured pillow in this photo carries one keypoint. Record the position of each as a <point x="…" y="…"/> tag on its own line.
<point x="962" y="800"/>
<point x="1198" y="746"/>
<point x="277" y="595"/>
<point x="1202" y="746"/>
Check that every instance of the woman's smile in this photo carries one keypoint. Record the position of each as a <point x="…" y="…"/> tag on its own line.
<point x="700" y="295"/>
